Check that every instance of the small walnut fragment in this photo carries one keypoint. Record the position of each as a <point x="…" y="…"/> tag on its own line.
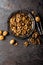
<point x="1" y="37"/>
<point x="26" y="43"/>
<point x="16" y="44"/>
<point x="35" y="35"/>
<point x="37" y="18"/>
<point x="5" y="33"/>
<point x="12" y="41"/>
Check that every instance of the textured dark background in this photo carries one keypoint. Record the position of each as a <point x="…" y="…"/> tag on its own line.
<point x="20" y="55"/>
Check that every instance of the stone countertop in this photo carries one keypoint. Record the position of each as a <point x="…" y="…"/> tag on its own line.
<point x="20" y="55"/>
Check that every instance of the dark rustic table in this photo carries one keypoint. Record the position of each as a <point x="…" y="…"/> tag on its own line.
<point x="20" y="55"/>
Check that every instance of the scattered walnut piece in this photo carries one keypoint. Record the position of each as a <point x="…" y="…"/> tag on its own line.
<point x="5" y="33"/>
<point x="16" y="44"/>
<point x="32" y="40"/>
<point x="1" y="37"/>
<point x="12" y="41"/>
<point x="37" y="18"/>
<point x="26" y="43"/>
<point x="35" y="35"/>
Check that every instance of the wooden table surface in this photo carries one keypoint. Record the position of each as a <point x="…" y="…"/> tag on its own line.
<point x="20" y="55"/>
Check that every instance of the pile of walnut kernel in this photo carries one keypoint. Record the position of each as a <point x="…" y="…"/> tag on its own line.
<point x="20" y="24"/>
